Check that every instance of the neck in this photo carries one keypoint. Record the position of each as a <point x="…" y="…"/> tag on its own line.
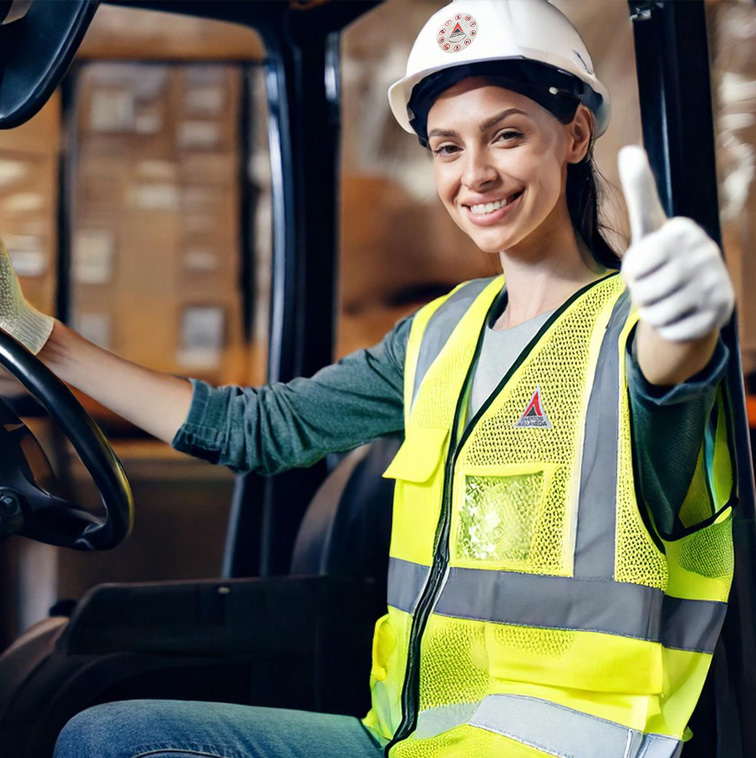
<point x="543" y="271"/>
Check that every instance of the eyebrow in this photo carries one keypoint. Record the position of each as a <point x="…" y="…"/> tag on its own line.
<point x="487" y="124"/>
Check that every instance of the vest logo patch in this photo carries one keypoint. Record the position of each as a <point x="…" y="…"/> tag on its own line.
<point x="533" y="415"/>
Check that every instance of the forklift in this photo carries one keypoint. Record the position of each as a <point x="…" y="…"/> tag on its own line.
<point x="289" y="623"/>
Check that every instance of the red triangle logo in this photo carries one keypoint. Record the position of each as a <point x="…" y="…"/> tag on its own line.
<point x="533" y="415"/>
<point x="457" y="28"/>
<point x="534" y="406"/>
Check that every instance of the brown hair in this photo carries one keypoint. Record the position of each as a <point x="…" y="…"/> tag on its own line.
<point x="584" y="193"/>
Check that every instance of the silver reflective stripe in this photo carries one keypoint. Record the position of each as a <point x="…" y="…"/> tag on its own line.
<point x="436" y="721"/>
<point x="557" y="602"/>
<point x="692" y="624"/>
<point x="441" y="325"/>
<point x="546" y="726"/>
<point x="561" y="731"/>
<point x="595" y="538"/>
<point x="405" y="583"/>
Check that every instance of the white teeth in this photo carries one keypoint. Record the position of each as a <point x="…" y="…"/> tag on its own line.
<point x="482" y="208"/>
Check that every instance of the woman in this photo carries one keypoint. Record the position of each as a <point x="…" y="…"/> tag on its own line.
<point x="536" y="606"/>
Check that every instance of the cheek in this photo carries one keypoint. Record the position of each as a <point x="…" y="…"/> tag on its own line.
<point x="534" y="165"/>
<point x="547" y="180"/>
<point x="445" y="183"/>
<point x="555" y="161"/>
<point x="550" y="180"/>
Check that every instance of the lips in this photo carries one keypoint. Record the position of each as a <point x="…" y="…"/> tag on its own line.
<point x="479" y="209"/>
<point x="489" y="212"/>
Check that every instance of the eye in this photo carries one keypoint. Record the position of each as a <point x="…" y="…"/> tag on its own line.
<point x="508" y="135"/>
<point x="445" y="151"/>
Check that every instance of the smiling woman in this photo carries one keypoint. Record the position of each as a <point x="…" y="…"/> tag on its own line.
<point x="556" y="583"/>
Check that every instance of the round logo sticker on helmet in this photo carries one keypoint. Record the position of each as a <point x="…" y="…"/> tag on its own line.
<point x="457" y="32"/>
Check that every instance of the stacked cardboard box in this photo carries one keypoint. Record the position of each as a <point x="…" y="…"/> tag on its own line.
<point x="156" y="234"/>
<point x="29" y="201"/>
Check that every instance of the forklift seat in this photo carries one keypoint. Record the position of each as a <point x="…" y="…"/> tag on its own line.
<point x="296" y="641"/>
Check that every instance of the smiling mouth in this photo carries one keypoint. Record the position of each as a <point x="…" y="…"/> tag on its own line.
<point x="483" y="209"/>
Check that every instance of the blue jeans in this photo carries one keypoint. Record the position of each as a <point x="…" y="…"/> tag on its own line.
<point x="178" y="729"/>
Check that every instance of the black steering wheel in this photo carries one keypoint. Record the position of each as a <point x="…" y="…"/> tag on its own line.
<point x="26" y="508"/>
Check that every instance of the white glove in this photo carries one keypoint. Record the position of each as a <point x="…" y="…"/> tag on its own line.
<point x="673" y="269"/>
<point x="17" y="317"/>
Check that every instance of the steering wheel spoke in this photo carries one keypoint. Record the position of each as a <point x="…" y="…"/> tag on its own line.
<point x="57" y="522"/>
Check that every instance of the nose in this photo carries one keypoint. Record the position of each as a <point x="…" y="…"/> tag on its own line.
<point x="478" y="170"/>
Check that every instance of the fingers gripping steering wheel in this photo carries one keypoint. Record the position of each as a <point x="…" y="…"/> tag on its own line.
<point x="25" y="507"/>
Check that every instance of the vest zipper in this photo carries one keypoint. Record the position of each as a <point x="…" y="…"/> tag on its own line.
<point x="411" y="687"/>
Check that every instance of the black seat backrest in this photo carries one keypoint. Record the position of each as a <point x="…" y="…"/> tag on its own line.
<point x="346" y="529"/>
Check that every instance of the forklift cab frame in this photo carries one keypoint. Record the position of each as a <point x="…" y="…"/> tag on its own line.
<point x="130" y="628"/>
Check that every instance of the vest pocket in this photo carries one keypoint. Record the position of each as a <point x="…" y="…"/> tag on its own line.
<point x="499" y="520"/>
<point x="417" y="468"/>
<point x="384" y="643"/>
<point x="419" y="456"/>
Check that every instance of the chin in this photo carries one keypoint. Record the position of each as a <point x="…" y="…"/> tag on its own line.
<point x="492" y="239"/>
<point x="492" y="249"/>
<point x="492" y="242"/>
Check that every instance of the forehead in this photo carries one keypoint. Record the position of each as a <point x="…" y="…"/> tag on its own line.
<point x="475" y="99"/>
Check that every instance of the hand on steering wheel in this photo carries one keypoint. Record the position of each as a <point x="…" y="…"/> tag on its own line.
<point x="25" y="507"/>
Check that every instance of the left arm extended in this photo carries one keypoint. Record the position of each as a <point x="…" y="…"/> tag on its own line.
<point x="676" y="277"/>
<point x="666" y="363"/>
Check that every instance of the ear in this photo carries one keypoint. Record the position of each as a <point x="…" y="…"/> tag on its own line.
<point x="580" y="134"/>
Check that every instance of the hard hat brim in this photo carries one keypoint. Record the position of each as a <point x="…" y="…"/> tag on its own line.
<point x="399" y="95"/>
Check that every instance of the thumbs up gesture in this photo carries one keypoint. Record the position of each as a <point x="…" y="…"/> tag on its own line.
<point x="673" y="269"/>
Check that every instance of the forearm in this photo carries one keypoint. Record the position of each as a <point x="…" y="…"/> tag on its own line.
<point x="666" y="363"/>
<point x="153" y="401"/>
<point x="269" y="429"/>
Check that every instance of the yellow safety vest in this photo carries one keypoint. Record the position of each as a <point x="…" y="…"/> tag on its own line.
<point x="532" y="610"/>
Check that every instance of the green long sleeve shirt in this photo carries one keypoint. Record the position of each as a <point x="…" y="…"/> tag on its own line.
<point x="272" y="428"/>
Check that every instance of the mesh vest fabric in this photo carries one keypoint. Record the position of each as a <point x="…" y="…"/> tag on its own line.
<point x="523" y="574"/>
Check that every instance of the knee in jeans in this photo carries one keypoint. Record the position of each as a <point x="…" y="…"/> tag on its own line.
<point x="104" y="731"/>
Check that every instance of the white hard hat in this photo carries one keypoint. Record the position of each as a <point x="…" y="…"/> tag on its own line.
<point x="476" y="31"/>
